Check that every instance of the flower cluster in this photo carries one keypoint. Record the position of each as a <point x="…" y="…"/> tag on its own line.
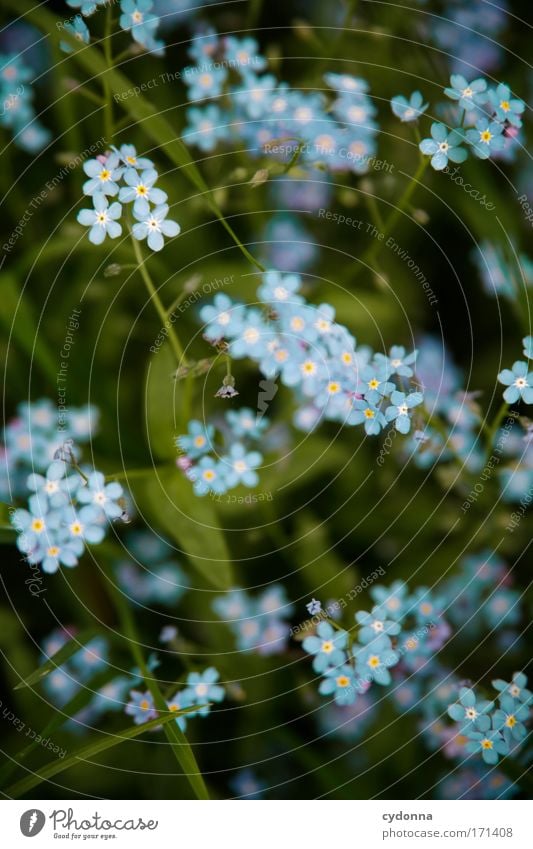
<point x="399" y="629"/>
<point x="137" y="17"/>
<point x="489" y="730"/>
<point x="159" y="579"/>
<point x="17" y="112"/>
<point x="489" y="120"/>
<point x="519" y="380"/>
<point x="303" y="347"/>
<point x="33" y="438"/>
<point x="258" y="623"/>
<point x="121" y="173"/>
<point x="201" y="690"/>
<point x="65" y="681"/>
<point x="218" y="468"/>
<point x="269" y="116"/>
<point x="65" y="512"/>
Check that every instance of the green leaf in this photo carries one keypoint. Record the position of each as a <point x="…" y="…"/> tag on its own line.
<point x="154" y="124"/>
<point x="175" y="736"/>
<point x="161" y="410"/>
<point x="169" y="502"/>
<point x="88" y="752"/>
<point x="21" y="325"/>
<point x="60" y="657"/>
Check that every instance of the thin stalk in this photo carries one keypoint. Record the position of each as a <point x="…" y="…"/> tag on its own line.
<point x="161" y="311"/>
<point x="493" y="430"/>
<point x="106" y="83"/>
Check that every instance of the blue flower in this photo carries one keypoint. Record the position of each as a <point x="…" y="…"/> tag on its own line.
<point x="397" y="362"/>
<point x="519" y="383"/>
<point x="506" y="107"/>
<point x="53" y="486"/>
<point x="92" y="657"/>
<point x="340" y="683"/>
<point x="443" y="145"/>
<point x="467" y="94"/>
<point x="486" y="138"/>
<point x="208" y="475"/>
<point x="34" y="524"/>
<point x="202" y="688"/>
<point x="128" y="156"/>
<point x="140" y="190"/>
<point x="222" y="318"/>
<point x="516" y="689"/>
<point x="393" y="598"/>
<point x="242" y="53"/>
<point x="103" y="174"/>
<point x="84" y="524"/>
<point x="246" y="423"/>
<point x="373" y="418"/>
<point x="102" y="219"/>
<point x="103" y="496"/>
<point x="399" y="412"/>
<point x="78" y="28"/>
<point x="251" y="339"/>
<point x="373" y="661"/>
<point x="61" y="551"/>
<point x="198" y="441"/>
<point x="489" y="743"/>
<point x="408" y="110"/>
<point x="206" y="126"/>
<point x="137" y="17"/>
<point x="154" y="225"/>
<point x="203" y="83"/>
<point x="473" y="713"/>
<point x="86" y="7"/>
<point x="510" y="718"/>
<point x="279" y="288"/>
<point x="375" y="624"/>
<point x="141" y="707"/>
<point x="180" y="701"/>
<point x="327" y="647"/>
<point x="527" y="342"/>
<point x="240" y="466"/>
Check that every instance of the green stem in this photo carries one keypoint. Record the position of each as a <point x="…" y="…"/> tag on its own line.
<point x="161" y="311"/>
<point x="106" y="83"/>
<point x="493" y="430"/>
<point x="395" y="214"/>
<point x="178" y="742"/>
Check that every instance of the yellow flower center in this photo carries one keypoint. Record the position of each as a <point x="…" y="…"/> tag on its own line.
<point x="142" y="190"/>
<point x="308" y="367"/>
<point x="343" y="681"/>
<point x="37" y="526"/>
<point x="510" y="721"/>
<point x="53" y="551"/>
<point x="327" y="647"/>
<point x="505" y="105"/>
<point x="333" y="387"/>
<point x="145" y="704"/>
<point x="347" y="358"/>
<point x="487" y="744"/>
<point x="76" y="528"/>
<point x="199" y="441"/>
<point x="373" y="384"/>
<point x="105" y="175"/>
<point x="131" y="160"/>
<point x="373" y="661"/>
<point x="369" y="414"/>
<point x="485" y="136"/>
<point x="208" y="475"/>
